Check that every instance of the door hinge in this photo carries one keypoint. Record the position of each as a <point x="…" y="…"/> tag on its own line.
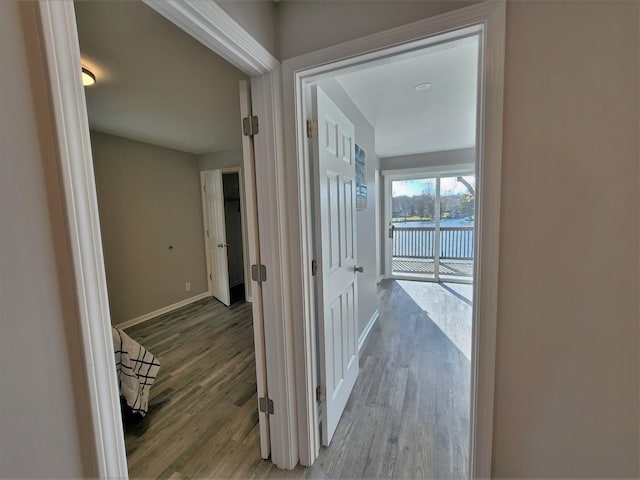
<point x="321" y="393"/>
<point x="258" y="273"/>
<point x="207" y="233"/>
<point x="250" y="126"/>
<point x="312" y="129"/>
<point x="204" y="187"/>
<point x="265" y="405"/>
<point x="314" y="268"/>
<point x="210" y="277"/>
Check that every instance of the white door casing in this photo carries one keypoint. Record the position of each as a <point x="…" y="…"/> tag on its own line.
<point x="487" y="19"/>
<point x="334" y="164"/>
<point x="215" y="234"/>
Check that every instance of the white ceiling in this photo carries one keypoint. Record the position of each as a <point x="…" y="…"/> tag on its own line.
<point x="407" y="121"/>
<point x="155" y="83"/>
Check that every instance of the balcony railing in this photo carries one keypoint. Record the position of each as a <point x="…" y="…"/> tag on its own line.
<point x="456" y="243"/>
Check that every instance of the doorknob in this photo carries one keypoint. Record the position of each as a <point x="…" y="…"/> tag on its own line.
<point x="220" y="245"/>
<point x="358" y="269"/>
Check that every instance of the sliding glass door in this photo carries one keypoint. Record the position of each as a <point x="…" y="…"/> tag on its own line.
<point x="431" y="228"/>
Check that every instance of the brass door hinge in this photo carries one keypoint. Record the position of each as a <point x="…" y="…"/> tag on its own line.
<point x="312" y="129"/>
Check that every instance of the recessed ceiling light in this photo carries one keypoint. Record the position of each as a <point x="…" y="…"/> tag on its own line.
<point x="422" y="86"/>
<point x="88" y="78"/>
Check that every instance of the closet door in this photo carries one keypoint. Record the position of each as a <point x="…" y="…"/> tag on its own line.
<point x="215" y="234"/>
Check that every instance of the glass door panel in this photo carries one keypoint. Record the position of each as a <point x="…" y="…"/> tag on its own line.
<point x="413" y="228"/>
<point x="457" y="228"/>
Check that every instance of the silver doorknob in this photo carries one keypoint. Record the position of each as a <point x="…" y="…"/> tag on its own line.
<point x="220" y="245"/>
<point x="358" y="269"/>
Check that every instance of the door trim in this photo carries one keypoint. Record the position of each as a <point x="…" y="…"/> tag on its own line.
<point x="212" y="26"/>
<point x="489" y="20"/>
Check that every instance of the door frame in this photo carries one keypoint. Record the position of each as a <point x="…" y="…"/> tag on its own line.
<point x="245" y="259"/>
<point x="410" y="174"/>
<point x="489" y="20"/>
<point x="212" y="26"/>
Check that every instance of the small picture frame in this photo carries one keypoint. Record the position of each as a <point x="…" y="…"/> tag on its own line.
<point x="361" y="178"/>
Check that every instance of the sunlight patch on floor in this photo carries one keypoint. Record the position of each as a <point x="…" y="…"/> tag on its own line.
<point x="450" y="313"/>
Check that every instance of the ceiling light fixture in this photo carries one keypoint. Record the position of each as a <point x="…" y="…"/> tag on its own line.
<point x="88" y="78"/>
<point x="422" y="87"/>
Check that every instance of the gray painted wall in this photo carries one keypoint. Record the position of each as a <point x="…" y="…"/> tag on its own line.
<point x="446" y="158"/>
<point x="365" y="219"/>
<point x="149" y="198"/>
<point x="305" y="26"/>
<point x="215" y="160"/>
<point x="566" y="398"/>
<point x="45" y="427"/>
<point x="259" y="17"/>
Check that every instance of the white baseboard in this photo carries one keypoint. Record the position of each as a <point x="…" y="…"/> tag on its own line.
<point x="162" y="311"/>
<point x="367" y="329"/>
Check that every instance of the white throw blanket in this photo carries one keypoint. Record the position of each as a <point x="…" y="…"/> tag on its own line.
<point x="137" y="369"/>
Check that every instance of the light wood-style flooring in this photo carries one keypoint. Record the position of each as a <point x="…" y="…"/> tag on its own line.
<point x="408" y="416"/>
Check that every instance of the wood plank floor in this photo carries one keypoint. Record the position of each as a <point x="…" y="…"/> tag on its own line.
<point x="408" y="416"/>
<point x="202" y="420"/>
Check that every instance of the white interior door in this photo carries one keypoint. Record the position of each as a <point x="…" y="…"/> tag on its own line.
<point x="215" y="234"/>
<point x="335" y="195"/>
<point x="253" y="252"/>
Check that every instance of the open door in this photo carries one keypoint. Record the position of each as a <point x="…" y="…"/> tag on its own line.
<point x="215" y="234"/>
<point x="335" y="200"/>
<point x="253" y="250"/>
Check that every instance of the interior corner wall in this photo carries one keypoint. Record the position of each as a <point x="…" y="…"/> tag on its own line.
<point x="45" y="423"/>
<point x="365" y="219"/>
<point x="216" y="160"/>
<point x="258" y="17"/>
<point x="152" y="225"/>
<point x="567" y="369"/>
<point x="447" y="158"/>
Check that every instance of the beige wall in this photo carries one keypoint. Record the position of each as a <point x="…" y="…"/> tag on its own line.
<point x="215" y="160"/>
<point x="365" y="219"/>
<point x="44" y="420"/>
<point x="567" y="361"/>
<point x="149" y="198"/>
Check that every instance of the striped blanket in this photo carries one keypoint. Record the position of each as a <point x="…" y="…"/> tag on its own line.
<point x="137" y="369"/>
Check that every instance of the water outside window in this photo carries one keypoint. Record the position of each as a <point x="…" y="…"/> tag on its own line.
<point x="433" y="228"/>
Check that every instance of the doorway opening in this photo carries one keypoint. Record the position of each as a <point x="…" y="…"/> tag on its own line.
<point x="234" y="222"/>
<point x="152" y="142"/>
<point x="365" y="119"/>
<point x="324" y="132"/>
<point x="223" y="208"/>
